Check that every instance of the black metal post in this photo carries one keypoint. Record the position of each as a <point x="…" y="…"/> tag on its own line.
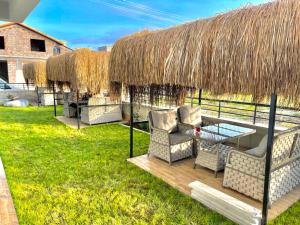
<point x="77" y="110"/>
<point x="54" y="99"/>
<point x="131" y="121"/>
<point x="38" y="95"/>
<point x="254" y="115"/>
<point x="219" y="111"/>
<point x="271" y="129"/>
<point x="200" y="96"/>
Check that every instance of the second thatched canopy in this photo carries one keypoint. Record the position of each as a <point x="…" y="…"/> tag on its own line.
<point x="35" y="72"/>
<point x="82" y="70"/>
<point x="253" y="50"/>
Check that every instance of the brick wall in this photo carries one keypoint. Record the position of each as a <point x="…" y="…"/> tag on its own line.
<point x="18" y="49"/>
<point x="12" y="67"/>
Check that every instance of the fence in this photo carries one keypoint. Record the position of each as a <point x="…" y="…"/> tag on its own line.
<point x="248" y="111"/>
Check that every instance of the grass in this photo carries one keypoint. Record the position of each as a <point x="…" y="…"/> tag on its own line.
<point x="58" y="175"/>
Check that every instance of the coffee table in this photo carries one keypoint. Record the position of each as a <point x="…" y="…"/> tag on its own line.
<point x="212" y="153"/>
<point x="222" y="132"/>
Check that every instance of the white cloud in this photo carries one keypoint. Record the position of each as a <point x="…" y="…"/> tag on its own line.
<point x="140" y="11"/>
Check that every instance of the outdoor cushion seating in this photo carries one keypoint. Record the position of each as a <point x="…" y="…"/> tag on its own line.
<point x="104" y="111"/>
<point x="245" y="172"/>
<point x="212" y="156"/>
<point x="167" y="139"/>
<point x="165" y="120"/>
<point x="189" y="116"/>
<point x="68" y="99"/>
<point x="261" y="149"/>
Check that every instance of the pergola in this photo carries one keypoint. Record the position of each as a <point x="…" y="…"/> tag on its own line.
<point x="35" y="72"/>
<point x="82" y="70"/>
<point x="250" y="51"/>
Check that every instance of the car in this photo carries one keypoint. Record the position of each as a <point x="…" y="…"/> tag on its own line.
<point x="18" y="86"/>
<point x="4" y="85"/>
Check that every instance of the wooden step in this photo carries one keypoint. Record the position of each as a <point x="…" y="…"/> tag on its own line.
<point x="228" y="206"/>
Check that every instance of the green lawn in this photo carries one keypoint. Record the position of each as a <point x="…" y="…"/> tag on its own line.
<point x="58" y="175"/>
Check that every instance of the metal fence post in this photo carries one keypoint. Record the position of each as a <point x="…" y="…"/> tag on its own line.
<point x="254" y="114"/>
<point x="199" y="96"/>
<point x="219" y="111"/>
<point x="131" y="121"/>
<point x="54" y="99"/>
<point x="271" y="129"/>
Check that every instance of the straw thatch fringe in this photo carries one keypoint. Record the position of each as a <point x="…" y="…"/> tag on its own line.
<point x="82" y="70"/>
<point x="254" y="50"/>
<point x="35" y="72"/>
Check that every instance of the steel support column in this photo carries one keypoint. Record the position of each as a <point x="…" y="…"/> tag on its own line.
<point x="38" y="95"/>
<point x="54" y="99"/>
<point x="77" y="110"/>
<point x="271" y="129"/>
<point x="131" y="121"/>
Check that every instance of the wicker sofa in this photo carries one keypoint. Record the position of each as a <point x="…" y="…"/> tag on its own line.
<point x="244" y="172"/>
<point x="94" y="113"/>
<point x="167" y="138"/>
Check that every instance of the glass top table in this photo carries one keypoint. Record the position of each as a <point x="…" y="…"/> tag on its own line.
<point x="222" y="132"/>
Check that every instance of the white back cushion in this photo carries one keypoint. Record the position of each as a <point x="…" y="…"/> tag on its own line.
<point x="165" y="120"/>
<point x="190" y="115"/>
<point x="184" y="112"/>
<point x="195" y="114"/>
<point x="261" y="149"/>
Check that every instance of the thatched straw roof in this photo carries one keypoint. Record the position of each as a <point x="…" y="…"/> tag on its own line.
<point x="253" y="50"/>
<point x="35" y="72"/>
<point x="82" y="70"/>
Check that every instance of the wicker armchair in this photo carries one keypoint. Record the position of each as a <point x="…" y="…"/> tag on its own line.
<point x="212" y="156"/>
<point x="167" y="139"/>
<point x="189" y="117"/>
<point x="245" y="172"/>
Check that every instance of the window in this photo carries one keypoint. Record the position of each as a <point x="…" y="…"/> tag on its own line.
<point x="37" y="45"/>
<point x="56" y="50"/>
<point x="2" y="44"/>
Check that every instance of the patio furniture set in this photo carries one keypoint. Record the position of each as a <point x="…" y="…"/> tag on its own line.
<point x="172" y="138"/>
<point x="94" y="110"/>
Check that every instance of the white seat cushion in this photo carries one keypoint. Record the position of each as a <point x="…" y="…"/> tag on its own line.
<point x="261" y="149"/>
<point x="178" y="138"/>
<point x="165" y="120"/>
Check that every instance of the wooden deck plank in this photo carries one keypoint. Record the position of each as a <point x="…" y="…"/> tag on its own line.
<point x="8" y="214"/>
<point x="181" y="173"/>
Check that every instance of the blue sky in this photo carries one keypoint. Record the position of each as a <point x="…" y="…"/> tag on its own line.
<point x="93" y="23"/>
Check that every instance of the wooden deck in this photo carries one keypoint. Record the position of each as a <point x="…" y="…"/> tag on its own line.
<point x="181" y="173"/>
<point x="8" y="214"/>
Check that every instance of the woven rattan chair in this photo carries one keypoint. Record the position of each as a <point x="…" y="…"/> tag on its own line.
<point x="189" y="117"/>
<point x="167" y="139"/>
<point x="244" y="172"/>
<point x="211" y="156"/>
